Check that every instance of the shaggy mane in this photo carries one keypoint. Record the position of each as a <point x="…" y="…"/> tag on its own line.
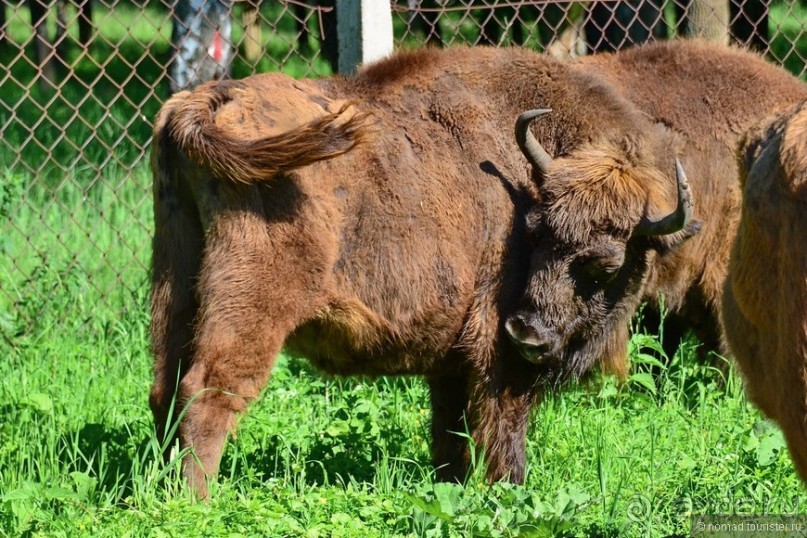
<point x="604" y="190"/>
<point x="794" y="151"/>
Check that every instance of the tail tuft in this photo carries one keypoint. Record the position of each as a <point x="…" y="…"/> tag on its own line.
<point x="189" y="120"/>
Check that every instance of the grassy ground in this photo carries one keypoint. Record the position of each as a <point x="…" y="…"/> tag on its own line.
<point x="349" y="457"/>
<point x="316" y="456"/>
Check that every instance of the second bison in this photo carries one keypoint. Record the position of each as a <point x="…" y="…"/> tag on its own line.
<point x="376" y="225"/>
<point x="594" y="261"/>
<point x="765" y="301"/>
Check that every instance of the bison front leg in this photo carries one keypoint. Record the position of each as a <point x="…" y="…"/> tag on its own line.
<point x="794" y="427"/>
<point x="449" y="399"/>
<point x="494" y="409"/>
<point x="500" y="409"/>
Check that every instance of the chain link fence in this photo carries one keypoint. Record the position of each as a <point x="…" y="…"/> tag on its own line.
<point x="82" y="81"/>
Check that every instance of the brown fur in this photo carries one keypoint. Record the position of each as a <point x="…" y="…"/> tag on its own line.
<point x="693" y="101"/>
<point x="191" y="123"/>
<point x="383" y="238"/>
<point x="765" y="302"/>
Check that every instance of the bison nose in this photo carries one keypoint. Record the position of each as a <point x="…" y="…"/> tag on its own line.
<point x="535" y="343"/>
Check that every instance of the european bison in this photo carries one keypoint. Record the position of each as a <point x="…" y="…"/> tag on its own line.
<point x="372" y="224"/>
<point x="376" y="225"/>
<point x="765" y="300"/>
<point x="594" y="261"/>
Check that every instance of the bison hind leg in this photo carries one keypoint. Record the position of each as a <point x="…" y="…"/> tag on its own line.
<point x="230" y="368"/>
<point x="176" y="261"/>
<point x="250" y="300"/>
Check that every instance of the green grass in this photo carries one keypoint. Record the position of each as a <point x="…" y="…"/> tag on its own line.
<point x="348" y="457"/>
<point x="316" y="456"/>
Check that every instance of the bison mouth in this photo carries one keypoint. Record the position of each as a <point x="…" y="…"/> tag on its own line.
<point x="563" y="358"/>
<point x="535" y="343"/>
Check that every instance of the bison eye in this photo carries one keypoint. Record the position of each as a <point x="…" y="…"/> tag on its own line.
<point x="595" y="267"/>
<point x="602" y="270"/>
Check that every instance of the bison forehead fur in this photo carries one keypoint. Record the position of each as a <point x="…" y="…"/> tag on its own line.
<point x="604" y="190"/>
<point x="765" y="301"/>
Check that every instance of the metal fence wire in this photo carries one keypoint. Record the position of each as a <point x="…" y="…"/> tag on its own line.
<point x="83" y="79"/>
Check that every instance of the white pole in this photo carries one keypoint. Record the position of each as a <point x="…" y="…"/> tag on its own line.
<point x="365" y="32"/>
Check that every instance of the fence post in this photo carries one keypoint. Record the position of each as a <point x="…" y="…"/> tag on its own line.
<point x="365" y="32"/>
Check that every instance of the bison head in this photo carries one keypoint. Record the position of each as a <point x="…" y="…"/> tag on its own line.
<point x="605" y="211"/>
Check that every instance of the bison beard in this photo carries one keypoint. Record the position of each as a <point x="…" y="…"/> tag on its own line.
<point x="377" y="226"/>
<point x="765" y="301"/>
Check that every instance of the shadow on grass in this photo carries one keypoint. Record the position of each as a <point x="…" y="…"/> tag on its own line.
<point x="108" y="454"/>
<point x="342" y="458"/>
<point x="357" y="442"/>
<point x="596" y="530"/>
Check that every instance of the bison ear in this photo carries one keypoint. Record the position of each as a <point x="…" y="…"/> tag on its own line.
<point x="793" y="153"/>
<point x="665" y="243"/>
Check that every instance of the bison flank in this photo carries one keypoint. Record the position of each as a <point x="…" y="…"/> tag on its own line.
<point x="765" y="295"/>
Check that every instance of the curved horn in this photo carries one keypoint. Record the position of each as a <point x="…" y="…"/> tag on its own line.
<point x="678" y="219"/>
<point x="530" y="147"/>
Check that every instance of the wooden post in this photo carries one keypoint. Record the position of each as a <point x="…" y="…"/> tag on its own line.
<point x="365" y="32"/>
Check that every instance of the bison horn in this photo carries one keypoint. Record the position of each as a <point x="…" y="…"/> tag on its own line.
<point x="530" y="147"/>
<point x="678" y="219"/>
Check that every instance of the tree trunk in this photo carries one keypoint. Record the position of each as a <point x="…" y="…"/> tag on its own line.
<point x="426" y="21"/>
<point x="85" y="26"/>
<point x="202" y="41"/>
<point x="60" y="39"/>
<point x="2" y="23"/>
<point x="749" y="23"/>
<point x="612" y="26"/>
<point x="709" y="19"/>
<point x="45" y="51"/>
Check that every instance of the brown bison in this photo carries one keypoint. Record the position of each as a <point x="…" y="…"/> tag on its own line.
<point x="376" y="225"/>
<point x="372" y="224"/>
<point x="611" y="230"/>
<point x="765" y="299"/>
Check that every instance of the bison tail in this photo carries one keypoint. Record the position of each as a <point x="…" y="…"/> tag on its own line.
<point x="189" y="120"/>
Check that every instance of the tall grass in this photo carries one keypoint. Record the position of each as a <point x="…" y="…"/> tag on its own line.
<point x="346" y="457"/>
